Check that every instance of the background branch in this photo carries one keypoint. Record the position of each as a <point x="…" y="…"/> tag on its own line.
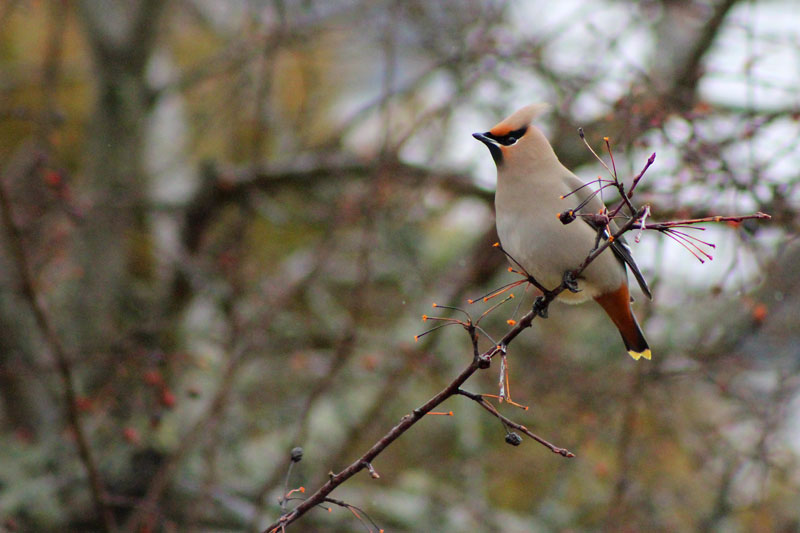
<point x="63" y="359"/>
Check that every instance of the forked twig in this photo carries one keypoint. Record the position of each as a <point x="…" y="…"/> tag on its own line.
<point x="510" y="423"/>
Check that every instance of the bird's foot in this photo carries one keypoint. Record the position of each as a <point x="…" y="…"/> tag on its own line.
<point x="540" y="305"/>
<point x="571" y="282"/>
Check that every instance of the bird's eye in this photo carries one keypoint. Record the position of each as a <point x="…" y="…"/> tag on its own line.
<point x="512" y="137"/>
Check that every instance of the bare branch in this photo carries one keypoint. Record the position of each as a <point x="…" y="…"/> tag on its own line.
<point x="360" y="464"/>
<point x="62" y="357"/>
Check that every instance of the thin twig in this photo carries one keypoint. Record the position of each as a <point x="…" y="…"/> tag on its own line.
<point x="675" y="223"/>
<point x="510" y="423"/>
<point x="356" y="510"/>
<point x="650" y="161"/>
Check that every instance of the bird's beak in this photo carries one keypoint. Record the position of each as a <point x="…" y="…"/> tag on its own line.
<point x="484" y="139"/>
<point x="491" y="144"/>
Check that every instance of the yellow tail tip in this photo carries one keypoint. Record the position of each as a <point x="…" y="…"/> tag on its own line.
<point x="636" y="355"/>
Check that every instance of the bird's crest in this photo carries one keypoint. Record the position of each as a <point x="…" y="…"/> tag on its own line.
<point x="520" y="119"/>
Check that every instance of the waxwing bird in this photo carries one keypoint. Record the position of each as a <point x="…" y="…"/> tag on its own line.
<point x="531" y="182"/>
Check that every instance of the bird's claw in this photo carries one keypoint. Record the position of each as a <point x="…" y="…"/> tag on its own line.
<point x="570" y="282"/>
<point x="540" y="306"/>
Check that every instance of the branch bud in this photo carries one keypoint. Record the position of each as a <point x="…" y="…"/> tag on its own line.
<point x="513" y="439"/>
<point x="567" y="216"/>
<point x="297" y="454"/>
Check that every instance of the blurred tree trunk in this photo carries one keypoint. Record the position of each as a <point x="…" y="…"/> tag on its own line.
<point x="113" y="247"/>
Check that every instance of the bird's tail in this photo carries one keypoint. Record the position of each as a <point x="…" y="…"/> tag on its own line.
<point x="634" y="340"/>
<point x="617" y="305"/>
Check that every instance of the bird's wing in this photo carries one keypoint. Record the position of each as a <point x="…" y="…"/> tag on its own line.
<point x="619" y="246"/>
<point x="623" y="252"/>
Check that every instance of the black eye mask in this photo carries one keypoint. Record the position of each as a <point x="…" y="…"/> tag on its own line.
<point x="493" y="141"/>
<point x="509" y="138"/>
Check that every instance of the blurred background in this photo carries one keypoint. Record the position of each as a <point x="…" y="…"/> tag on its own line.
<point x="222" y="222"/>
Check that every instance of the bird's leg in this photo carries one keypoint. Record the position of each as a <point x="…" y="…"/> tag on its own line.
<point x="540" y="305"/>
<point x="570" y="281"/>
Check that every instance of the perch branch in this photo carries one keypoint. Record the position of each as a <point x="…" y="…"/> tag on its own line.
<point x="479" y="361"/>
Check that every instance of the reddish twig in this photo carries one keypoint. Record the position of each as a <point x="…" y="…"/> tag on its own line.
<point x="616" y="183"/>
<point x="650" y="161"/>
<point x="619" y="185"/>
<point x="678" y="223"/>
<point x="672" y="230"/>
